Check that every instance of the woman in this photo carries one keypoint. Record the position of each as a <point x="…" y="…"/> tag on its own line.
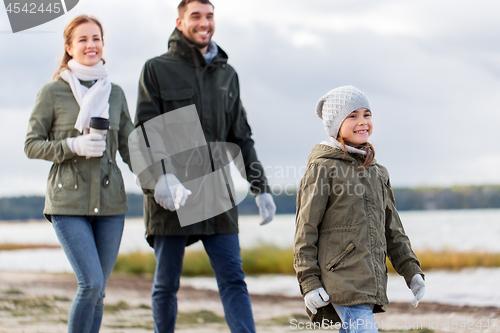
<point x="85" y="199"/>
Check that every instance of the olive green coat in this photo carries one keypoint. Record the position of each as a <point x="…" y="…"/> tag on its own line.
<point x="346" y="225"/>
<point x="76" y="185"/>
<point x="180" y="78"/>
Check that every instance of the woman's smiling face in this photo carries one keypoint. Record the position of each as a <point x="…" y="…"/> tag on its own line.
<point x="357" y="127"/>
<point x="86" y="44"/>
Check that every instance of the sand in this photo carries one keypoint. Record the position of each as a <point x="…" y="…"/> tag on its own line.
<point x="39" y="303"/>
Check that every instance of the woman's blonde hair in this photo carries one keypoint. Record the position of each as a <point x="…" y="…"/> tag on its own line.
<point x="68" y="38"/>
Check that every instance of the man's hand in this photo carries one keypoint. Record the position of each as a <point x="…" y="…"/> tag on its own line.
<point x="316" y="299"/>
<point x="267" y="208"/>
<point x="417" y="286"/>
<point x="170" y="193"/>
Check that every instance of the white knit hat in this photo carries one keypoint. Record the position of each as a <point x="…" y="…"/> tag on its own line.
<point x="337" y="104"/>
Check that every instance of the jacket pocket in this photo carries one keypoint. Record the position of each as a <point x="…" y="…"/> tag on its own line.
<point x="176" y="98"/>
<point x="333" y="263"/>
<point x="64" y="178"/>
<point x="113" y="191"/>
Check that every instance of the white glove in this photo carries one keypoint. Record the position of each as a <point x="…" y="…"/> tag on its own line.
<point x="170" y="193"/>
<point x="315" y="299"/>
<point x="89" y="145"/>
<point x="417" y="286"/>
<point x="267" y="208"/>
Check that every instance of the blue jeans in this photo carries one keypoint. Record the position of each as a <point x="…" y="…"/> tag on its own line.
<point x="356" y="318"/>
<point x="91" y="244"/>
<point x="224" y="253"/>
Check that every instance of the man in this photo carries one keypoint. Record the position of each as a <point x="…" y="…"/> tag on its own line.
<point x="195" y="71"/>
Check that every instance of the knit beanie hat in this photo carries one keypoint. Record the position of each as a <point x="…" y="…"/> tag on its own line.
<point x="337" y="104"/>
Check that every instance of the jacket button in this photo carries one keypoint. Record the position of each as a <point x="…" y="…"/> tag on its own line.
<point x="60" y="185"/>
<point x="223" y="65"/>
<point x="76" y="187"/>
<point x="96" y="210"/>
<point x="76" y="161"/>
<point x="107" y="182"/>
<point x="230" y="94"/>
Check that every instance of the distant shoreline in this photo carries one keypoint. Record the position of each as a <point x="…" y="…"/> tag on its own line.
<point x="407" y="199"/>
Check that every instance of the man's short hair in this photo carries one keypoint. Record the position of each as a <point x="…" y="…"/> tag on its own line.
<point x="182" y="6"/>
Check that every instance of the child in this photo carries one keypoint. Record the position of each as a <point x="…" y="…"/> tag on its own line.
<point x="347" y="222"/>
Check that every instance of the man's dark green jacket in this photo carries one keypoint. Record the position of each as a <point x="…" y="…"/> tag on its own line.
<point x="180" y="78"/>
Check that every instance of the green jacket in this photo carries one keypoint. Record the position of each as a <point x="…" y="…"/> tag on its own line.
<point x="76" y="185"/>
<point x="180" y="78"/>
<point x="346" y="225"/>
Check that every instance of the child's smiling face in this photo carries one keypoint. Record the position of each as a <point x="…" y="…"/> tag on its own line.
<point x="357" y="127"/>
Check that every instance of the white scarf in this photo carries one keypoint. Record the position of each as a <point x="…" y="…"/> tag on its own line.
<point x="94" y="101"/>
<point x="336" y="144"/>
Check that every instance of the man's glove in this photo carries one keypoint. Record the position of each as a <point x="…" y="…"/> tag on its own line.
<point x="170" y="193"/>
<point x="89" y="145"/>
<point x="267" y="208"/>
<point x="417" y="286"/>
<point x="316" y="299"/>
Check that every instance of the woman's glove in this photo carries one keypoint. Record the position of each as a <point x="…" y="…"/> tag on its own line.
<point x="267" y="208"/>
<point x="170" y="193"/>
<point x="89" y="145"/>
<point x="417" y="286"/>
<point x="315" y="299"/>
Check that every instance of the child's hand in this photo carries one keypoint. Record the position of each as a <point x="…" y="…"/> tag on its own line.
<point x="315" y="299"/>
<point x="417" y="286"/>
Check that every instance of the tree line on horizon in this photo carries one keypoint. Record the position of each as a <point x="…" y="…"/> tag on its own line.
<point x="422" y="198"/>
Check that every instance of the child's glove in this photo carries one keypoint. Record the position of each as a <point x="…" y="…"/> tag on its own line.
<point x="417" y="286"/>
<point x="170" y="193"/>
<point x="315" y="299"/>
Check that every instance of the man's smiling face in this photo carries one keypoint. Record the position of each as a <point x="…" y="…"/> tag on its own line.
<point x="197" y="24"/>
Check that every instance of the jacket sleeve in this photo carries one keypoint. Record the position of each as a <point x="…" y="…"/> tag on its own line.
<point x="149" y="106"/>
<point x="312" y="201"/>
<point x="126" y="127"/>
<point x="240" y="134"/>
<point x="399" y="250"/>
<point x="37" y="144"/>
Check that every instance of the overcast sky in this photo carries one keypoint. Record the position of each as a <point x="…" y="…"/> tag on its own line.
<point x="430" y="69"/>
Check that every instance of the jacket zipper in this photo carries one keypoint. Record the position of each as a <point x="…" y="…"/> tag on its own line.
<point x="349" y="249"/>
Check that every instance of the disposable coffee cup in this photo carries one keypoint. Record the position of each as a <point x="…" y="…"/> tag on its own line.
<point x="100" y="126"/>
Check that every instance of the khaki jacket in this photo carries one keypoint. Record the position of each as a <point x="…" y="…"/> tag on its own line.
<point x="76" y="185"/>
<point x="346" y="225"/>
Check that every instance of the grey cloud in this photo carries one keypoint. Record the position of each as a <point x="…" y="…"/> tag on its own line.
<point x="430" y="95"/>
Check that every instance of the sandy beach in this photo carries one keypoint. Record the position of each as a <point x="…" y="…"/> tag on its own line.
<point x="39" y="303"/>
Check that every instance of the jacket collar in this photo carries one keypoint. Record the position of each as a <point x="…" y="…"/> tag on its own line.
<point x="329" y="152"/>
<point x="180" y="47"/>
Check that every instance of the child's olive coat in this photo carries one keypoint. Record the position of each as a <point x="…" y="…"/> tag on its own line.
<point x="346" y="225"/>
<point x="77" y="185"/>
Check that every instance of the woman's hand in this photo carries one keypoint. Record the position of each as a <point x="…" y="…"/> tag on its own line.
<point x="315" y="299"/>
<point x="88" y="145"/>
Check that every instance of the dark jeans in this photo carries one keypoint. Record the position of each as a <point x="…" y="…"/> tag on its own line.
<point x="225" y="258"/>
<point x="91" y="244"/>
